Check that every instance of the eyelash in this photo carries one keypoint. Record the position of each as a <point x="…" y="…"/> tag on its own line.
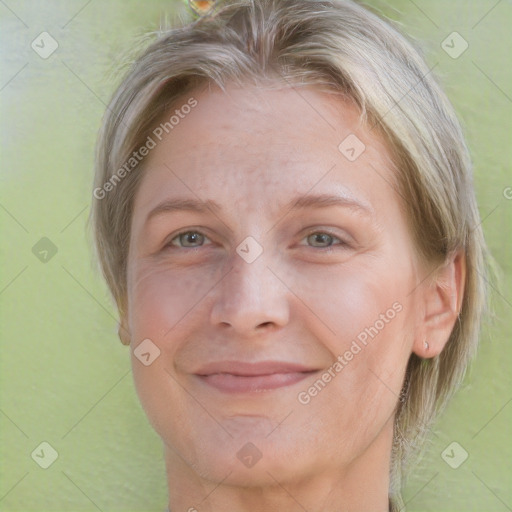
<point x="341" y="242"/>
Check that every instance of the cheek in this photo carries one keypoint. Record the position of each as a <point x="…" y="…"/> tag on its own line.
<point x="351" y="298"/>
<point x="163" y="300"/>
<point x="164" y="307"/>
<point x="367" y="311"/>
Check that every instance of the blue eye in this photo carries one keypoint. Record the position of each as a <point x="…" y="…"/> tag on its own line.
<point x="189" y="239"/>
<point x="321" y="239"/>
<point x="193" y="239"/>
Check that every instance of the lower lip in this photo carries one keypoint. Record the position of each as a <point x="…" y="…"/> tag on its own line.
<point x="229" y="383"/>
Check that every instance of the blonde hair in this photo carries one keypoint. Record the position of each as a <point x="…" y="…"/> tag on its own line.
<point x="343" y="47"/>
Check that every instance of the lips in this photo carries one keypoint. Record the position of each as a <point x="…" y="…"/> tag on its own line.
<point x="242" y="377"/>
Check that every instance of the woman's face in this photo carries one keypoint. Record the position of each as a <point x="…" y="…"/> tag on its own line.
<point x="272" y="269"/>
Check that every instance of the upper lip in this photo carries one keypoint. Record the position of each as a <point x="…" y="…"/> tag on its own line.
<point x="252" y="369"/>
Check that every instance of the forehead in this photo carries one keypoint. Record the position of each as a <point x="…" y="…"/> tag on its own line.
<point x="261" y="146"/>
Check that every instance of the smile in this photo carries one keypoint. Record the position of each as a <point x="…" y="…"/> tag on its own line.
<point x="239" y="377"/>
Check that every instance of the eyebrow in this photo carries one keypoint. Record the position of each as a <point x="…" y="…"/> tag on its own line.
<point x="298" y="203"/>
<point x="327" y="200"/>
<point x="173" y="205"/>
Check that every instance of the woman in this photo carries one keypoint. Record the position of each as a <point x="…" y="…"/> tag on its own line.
<point x="284" y="214"/>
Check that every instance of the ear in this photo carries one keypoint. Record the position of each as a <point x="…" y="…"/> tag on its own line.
<point x="124" y="331"/>
<point x="442" y="303"/>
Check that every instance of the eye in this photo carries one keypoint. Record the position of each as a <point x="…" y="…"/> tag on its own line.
<point x="322" y="239"/>
<point x="188" y="239"/>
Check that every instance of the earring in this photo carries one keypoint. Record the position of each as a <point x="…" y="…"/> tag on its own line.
<point x="426" y="345"/>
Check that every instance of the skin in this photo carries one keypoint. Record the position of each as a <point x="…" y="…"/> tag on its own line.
<point x="305" y="299"/>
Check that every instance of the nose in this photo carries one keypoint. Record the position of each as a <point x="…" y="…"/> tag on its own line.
<point x="250" y="298"/>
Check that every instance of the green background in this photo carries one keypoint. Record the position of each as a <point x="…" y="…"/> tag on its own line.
<point x="64" y="376"/>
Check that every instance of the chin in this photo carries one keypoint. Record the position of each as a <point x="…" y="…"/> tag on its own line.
<point x="246" y="460"/>
<point x="266" y="471"/>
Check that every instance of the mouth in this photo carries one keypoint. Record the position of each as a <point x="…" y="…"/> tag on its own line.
<point x="240" y="377"/>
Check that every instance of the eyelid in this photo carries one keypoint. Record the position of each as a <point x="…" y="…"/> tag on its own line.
<point x="343" y="240"/>
<point x="173" y="236"/>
